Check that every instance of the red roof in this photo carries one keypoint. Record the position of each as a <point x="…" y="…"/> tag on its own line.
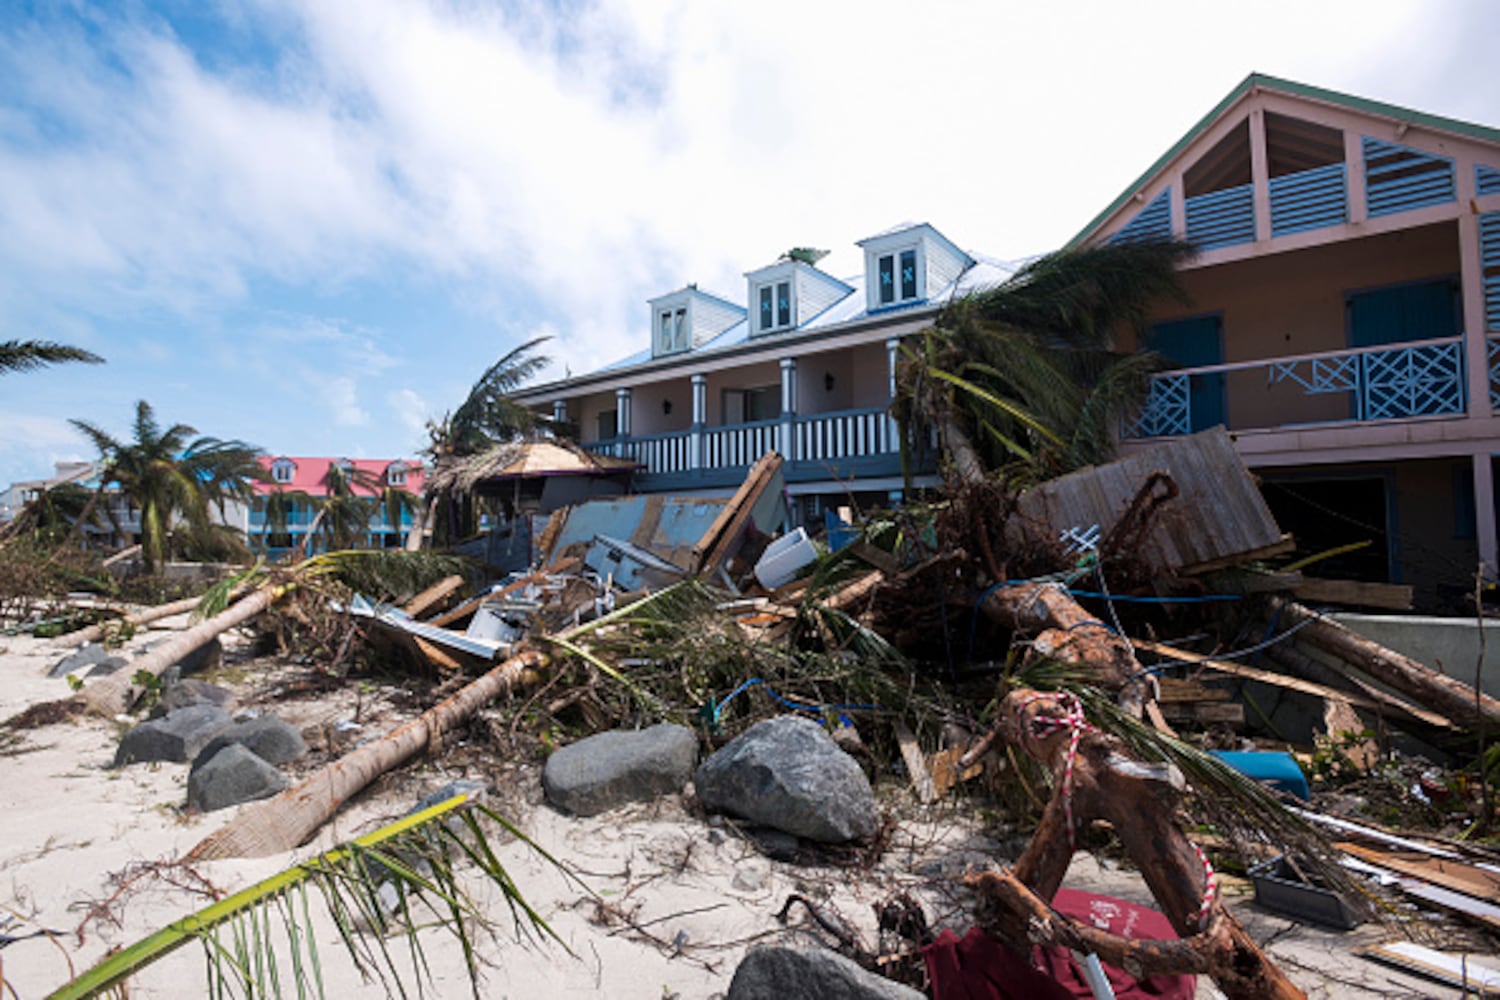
<point x="310" y="474"/>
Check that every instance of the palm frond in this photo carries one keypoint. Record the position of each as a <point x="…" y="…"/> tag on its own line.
<point x="25" y="355"/>
<point x="408" y="868"/>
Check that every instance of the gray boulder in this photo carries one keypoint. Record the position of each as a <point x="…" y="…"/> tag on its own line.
<point x="610" y="769"/>
<point x="186" y="693"/>
<point x="90" y="654"/>
<point x="775" y="973"/>
<point x="787" y="773"/>
<point x="269" y="738"/>
<point x="177" y="736"/>
<point x="234" y="775"/>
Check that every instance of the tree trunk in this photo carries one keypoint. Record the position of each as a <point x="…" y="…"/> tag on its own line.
<point x="1065" y="631"/>
<point x="423" y="522"/>
<point x="282" y="823"/>
<point x="96" y="632"/>
<point x="111" y="695"/>
<point x="1103" y="780"/>
<point x="967" y="464"/>
<point x="1419" y="682"/>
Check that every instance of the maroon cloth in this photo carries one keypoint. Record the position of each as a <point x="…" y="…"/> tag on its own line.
<point x="977" y="967"/>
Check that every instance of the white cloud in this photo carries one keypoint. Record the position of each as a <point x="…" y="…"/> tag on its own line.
<point x="409" y="408"/>
<point x="340" y="396"/>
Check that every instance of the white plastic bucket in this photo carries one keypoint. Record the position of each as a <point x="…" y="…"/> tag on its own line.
<point x="785" y="558"/>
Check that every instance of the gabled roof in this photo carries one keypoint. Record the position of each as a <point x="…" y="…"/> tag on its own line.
<point x="1260" y="81"/>
<point x="310" y="473"/>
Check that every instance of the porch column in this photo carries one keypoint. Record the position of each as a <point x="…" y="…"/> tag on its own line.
<point x="1260" y="176"/>
<point x="700" y="417"/>
<point x="1484" y="515"/>
<point x="1476" y="338"/>
<point x="622" y="413"/>
<point x="788" y="407"/>
<point x="1354" y="173"/>
<point x="892" y="349"/>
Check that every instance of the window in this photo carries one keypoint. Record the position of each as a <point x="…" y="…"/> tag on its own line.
<point x="897" y="272"/>
<point x="775" y="306"/>
<point x="746" y="406"/>
<point x="672" y="330"/>
<point x="282" y="470"/>
<point x="396" y="474"/>
<point x="607" y="424"/>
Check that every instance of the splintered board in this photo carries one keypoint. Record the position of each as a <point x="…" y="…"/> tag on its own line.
<point x="1218" y="517"/>
<point x="1478" y="975"/>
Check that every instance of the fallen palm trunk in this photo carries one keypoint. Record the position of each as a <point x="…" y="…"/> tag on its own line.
<point x="115" y="693"/>
<point x="96" y="632"/>
<point x="1097" y="778"/>
<point x="1419" y="682"/>
<point x="1068" y="633"/>
<point x="281" y="823"/>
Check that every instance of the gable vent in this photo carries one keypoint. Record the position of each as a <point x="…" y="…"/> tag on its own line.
<point x="1152" y="223"/>
<point x="1399" y="178"/>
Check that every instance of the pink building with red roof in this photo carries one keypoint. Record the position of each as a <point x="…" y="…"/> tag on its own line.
<point x="306" y="478"/>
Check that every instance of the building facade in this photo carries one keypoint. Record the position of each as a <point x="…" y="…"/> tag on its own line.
<point x="305" y="484"/>
<point x="799" y="361"/>
<point x="1343" y="324"/>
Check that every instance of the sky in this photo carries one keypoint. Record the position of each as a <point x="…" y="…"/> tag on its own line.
<point x="311" y="225"/>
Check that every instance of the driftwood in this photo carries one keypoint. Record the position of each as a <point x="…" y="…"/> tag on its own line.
<point x="1419" y="682"/>
<point x="281" y="823"/>
<point x="115" y="693"/>
<point x="1098" y="778"/>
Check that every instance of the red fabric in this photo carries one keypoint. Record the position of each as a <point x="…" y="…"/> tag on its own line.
<point x="976" y="967"/>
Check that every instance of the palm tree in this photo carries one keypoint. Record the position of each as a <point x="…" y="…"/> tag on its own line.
<point x="170" y="474"/>
<point x="1023" y="376"/>
<point x="488" y="416"/>
<point x="23" y="355"/>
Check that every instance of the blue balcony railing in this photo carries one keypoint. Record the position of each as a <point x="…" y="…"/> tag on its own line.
<point x="1394" y="382"/>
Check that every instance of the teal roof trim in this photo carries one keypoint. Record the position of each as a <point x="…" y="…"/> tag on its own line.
<point x="1248" y="85"/>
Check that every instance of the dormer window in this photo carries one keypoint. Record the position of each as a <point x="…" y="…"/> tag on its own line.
<point x="283" y="470"/>
<point x="395" y="475"/>
<point x="672" y="330"/>
<point x="897" y="277"/>
<point x="775" y="309"/>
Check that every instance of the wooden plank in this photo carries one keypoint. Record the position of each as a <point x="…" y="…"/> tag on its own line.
<point x="439" y="657"/>
<point x="1253" y="673"/>
<point x="1446" y="872"/>
<point x="945" y="771"/>
<point x="433" y="594"/>
<point x="1468" y="972"/>
<point x="1388" y="596"/>
<point x="738" y="508"/>
<point x="1205" y="712"/>
<point x="916" y="764"/>
<point x="1282" y="547"/>
<point x="1172" y="689"/>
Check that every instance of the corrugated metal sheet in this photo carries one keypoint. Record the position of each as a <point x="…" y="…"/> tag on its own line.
<point x="1218" y="513"/>
<point x="1309" y="199"/>
<point x="1152" y="222"/>
<point x="1222" y="218"/>
<point x="1399" y="178"/>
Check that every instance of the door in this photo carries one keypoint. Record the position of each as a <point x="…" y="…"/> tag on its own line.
<point x="1195" y="343"/>
<point x="1421" y="381"/>
<point x="1421" y="310"/>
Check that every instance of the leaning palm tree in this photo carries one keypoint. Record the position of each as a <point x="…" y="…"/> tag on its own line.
<point x="1023" y="376"/>
<point x="487" y="417"/>
<point x="169" y="473"/>
<point x="23" y="355"/>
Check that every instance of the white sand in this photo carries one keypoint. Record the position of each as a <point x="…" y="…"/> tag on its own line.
<point x="699" y="894"/>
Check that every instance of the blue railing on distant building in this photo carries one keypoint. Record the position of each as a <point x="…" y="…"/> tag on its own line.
<point x="1309" y="199"/>
<point x="1222" y="218"/>
<point x="1152" y="222"/>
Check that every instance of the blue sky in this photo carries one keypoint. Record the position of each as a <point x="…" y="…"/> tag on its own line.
<point x="311" y="225"/>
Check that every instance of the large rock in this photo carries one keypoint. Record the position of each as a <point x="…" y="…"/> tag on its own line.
<point x="787" y="773"/>
<point x="90" y="654"/>
<point x="186" y="693"/>
<point x="177" y="736"/>
<point x="234" y="775"/>
<point x="269" y="738"/>
<point x="610" y="769"/>
<point x="775" y="973"/>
